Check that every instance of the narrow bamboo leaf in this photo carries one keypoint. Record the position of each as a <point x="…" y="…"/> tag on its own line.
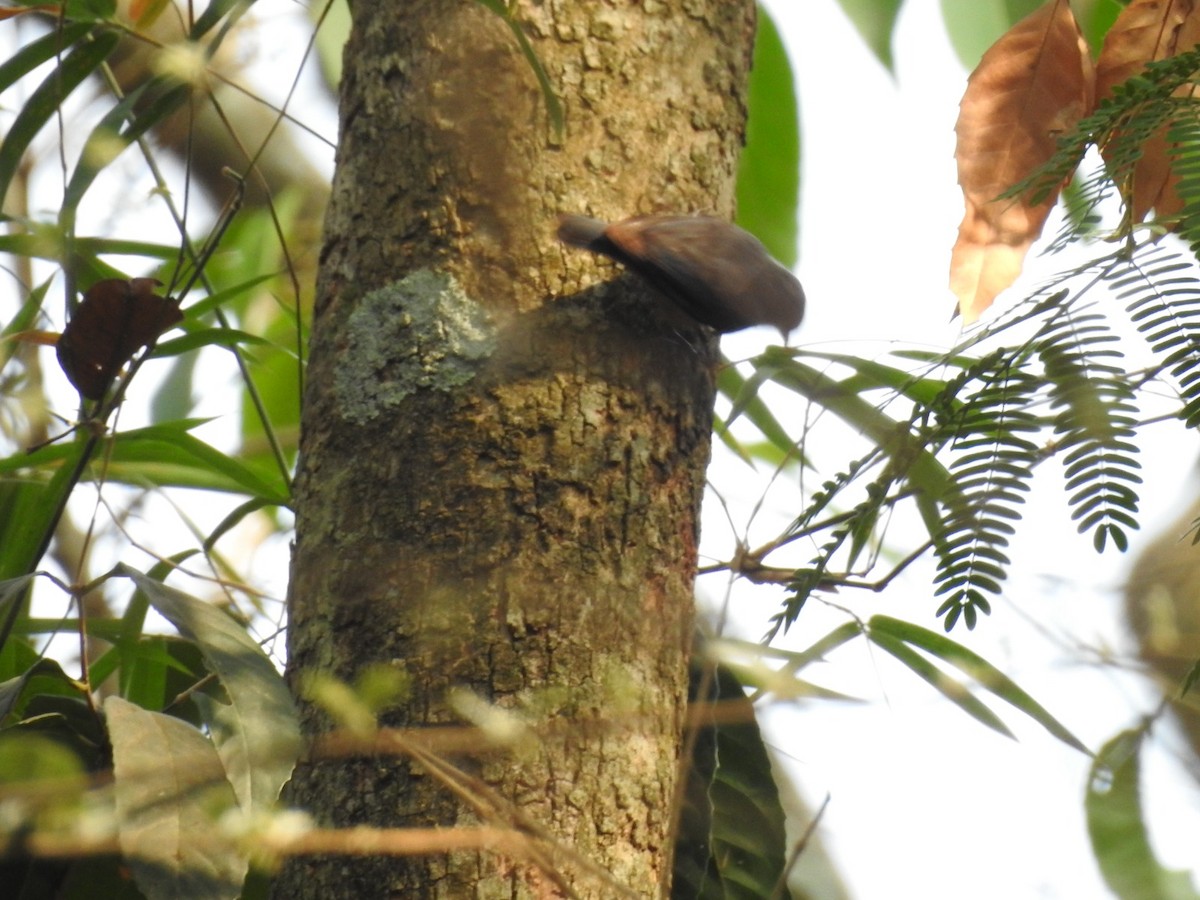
<point x="206" y="337"/>
<point x="16" y="656"/>
<point x="826" y="645"/>
<point x="162" y="474"/>
<point x="13" y="592"/>
<point x="553" y="104"/>
<point x="768" y="177"/>
<point x="24" y="319"/>
<point x="721" y="648"/>
<point x="745" y="454"/>
<point x="201" y="308"/>
<point x="1190" y="679"/>
<point x="168" y="785"/>
<point x="554" y="107"/>
<point x="257" y="733"/>
<point x="171" y="444"/>
<point x="954" y="691"/>
<point x="232" y="520"/>
<point x="869" y="373"/>
<point x="157" y="669"/>
<point x="975" y="666"/>
<point x="894" y="438"/>
<point x="116" y="131"/>
<point x="45" y="242"/>
<point x="48" y="97"/>
<point x="1117" y="830"/>
<point x="743" y="394"/>
<point x="164" y="455"/>
<point x="31" y="508"/>
<point x="35" y="53"/>
<point x="106" y="629"/>
<point x="129" y="652"/>
<point x="214" y="13"/>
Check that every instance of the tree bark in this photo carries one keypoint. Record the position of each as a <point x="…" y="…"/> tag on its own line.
<point x="504" y="443"/>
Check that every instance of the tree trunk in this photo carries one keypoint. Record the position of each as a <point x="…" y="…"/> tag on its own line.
<point x="503" y="453"/>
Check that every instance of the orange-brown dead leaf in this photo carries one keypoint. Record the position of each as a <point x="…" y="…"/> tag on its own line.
<point x="38" y="337"/>
<point x="1033" y="84"/>
<point x="1147" y="30"/>
<point x="142" y="13"/>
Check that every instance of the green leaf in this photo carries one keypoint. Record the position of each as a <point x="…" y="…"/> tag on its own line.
<point x="743" y="393"/>
<point x="45" y="678"/>
<point x="25" y="318"/>
<point x="41" y="241"/>
<point x="1117" y="830"/>
<point x="48" y="97"/>
<point x="768" y="178"/>
<point x="870" y="374"/>
<point x="257" y="733"/>
<point x="975" y="26"/>
<point x="732" y="844"/>
<point x="164" y="455"/>
<point x="232" y="520"/>
<point x="16" y="655"/>
<point x="91" y="10"/>
<point x="116" y="131"/>
<point x="553" y="104"/>
<point x="201" y="308"/>
<point x="876" y="23"/>
<point x="975" y="666"/>
<point x="206" y="337"/>
<point x="1095" y="17"/>
<point x="1189" y="680"/>
<point x="331" y="38"/>
<point x="35" y="53"/>
<point x="954" y="691"/>
<point x="169" y="786"/>
<point x="745" y="660"/>
<point x="214" y="13"/>
<point x="33" y="757"/>
<point x="170" y="444"/>
<point x="918" y="465"/>
<point x="30" y="508"/>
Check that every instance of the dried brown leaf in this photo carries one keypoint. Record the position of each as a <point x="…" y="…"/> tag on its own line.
<point x="980" y="266"/>
<point x="1145" y="31"/>
<point x="1033" y="84"/>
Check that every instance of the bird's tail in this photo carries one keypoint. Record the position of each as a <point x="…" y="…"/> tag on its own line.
<point x="581" y="231"/>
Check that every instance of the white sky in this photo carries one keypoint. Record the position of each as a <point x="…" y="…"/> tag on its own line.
<point x="925" y="802"/>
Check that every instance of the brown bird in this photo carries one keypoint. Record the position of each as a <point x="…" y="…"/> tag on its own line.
<point x="717" y="273"/>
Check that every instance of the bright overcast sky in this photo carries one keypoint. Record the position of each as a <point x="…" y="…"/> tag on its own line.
<point x="924" y="801"/>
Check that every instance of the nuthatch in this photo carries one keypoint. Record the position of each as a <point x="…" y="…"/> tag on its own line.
<point x="717" y="273"/>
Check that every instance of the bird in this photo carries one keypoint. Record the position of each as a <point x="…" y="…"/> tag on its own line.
<point x="717" y="273"/>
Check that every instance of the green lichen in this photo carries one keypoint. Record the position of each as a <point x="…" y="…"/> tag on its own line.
<point x="420" y="333"/>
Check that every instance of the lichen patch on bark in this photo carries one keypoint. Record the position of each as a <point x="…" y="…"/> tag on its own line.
<point x="422" y="332"/>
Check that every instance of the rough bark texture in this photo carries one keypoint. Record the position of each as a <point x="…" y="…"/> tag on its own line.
<point x="503" y="453"/>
